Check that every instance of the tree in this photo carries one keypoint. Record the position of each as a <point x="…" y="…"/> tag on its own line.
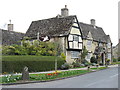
<point x="93" y="60"/>
<point x="84" y="54"/>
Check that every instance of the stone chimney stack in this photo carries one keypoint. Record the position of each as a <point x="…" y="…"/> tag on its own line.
<point x="92" y="22"/>
<point x="10" y="26"/>
<point x="64" y="11"/>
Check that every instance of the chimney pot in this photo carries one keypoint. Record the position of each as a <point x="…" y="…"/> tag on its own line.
<point x="65" y="6"/>
<point x="10" y="26"/>
<point x="64" y="11"/>
<point x="93" y="22"/>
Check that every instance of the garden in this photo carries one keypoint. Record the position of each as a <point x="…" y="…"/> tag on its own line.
<point x="46" y="76"/>
<point x="41" y="57"/>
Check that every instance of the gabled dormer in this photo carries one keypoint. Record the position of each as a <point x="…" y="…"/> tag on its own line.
<point x="89" y="36"/>
<point x="75" y="36"/>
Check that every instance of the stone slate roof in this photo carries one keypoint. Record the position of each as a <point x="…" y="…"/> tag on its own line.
<point x="56" y="26"/>
<point x="11" y="37"/>
<point x="97" y="33"/>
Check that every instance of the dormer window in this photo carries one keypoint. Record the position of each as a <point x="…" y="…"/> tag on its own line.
<point x="89" y="43"/>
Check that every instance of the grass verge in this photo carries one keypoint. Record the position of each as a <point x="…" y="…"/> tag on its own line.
<point x="46" y="76"/>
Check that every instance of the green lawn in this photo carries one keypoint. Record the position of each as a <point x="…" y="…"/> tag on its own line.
<point x="116" y="62"/>
<point x="99" y="68"/>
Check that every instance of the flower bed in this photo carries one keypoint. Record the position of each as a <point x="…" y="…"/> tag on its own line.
<point x="46" y="76"/>
<point x="42" y="77"/>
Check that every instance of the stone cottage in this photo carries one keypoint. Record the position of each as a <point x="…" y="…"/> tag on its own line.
<point x="72" y="35"/>
<point x="10" y="37"/>
<point x="96" y="41"/>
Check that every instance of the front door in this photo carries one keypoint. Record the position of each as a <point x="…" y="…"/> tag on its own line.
<point x="103" y="58"/>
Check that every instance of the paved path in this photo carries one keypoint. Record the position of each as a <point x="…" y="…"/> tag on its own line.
<point x="85" y="68"/>
<point x="107" y="78"/>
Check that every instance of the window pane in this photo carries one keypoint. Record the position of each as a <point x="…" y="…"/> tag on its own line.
<point x="109" y="45"/>
<point x="89" y="42"/>
<point x="109" y="56"/>
<point x="70" y="44"/>
<point x="70" y="38"/>
<point x="80" y="40"/>
<point x="76" y="38"/>
<point x="80" y="45"/>
<point x="75" y="44"/>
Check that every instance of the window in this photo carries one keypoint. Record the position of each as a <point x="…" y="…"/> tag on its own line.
<point x="76" y="38"/>
<point x="80" y="45"/>
<point x="88" y="57"/>
<point x="75" y="54"/>
<point x="89" y="43"/>
<point x="75" y="42"/>
<point x="109" y="45"/>
<point x="109" y="55"/>
<point x="100" y="44"/>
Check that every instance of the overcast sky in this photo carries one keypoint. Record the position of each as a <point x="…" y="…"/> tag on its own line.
<point x="23" y="12"/>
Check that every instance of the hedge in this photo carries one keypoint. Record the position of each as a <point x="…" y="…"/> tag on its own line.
<point x="34" y="63"/>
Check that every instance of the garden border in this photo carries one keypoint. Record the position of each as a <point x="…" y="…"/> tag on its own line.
<point x="27" y="82"/>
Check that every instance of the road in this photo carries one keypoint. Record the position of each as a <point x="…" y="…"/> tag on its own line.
<point x="107" y="78"/>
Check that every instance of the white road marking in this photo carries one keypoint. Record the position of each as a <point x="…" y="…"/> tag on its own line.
<point x="100" y="81"/>
<point x="94" y="83"/>
<point x="114" y="76"/>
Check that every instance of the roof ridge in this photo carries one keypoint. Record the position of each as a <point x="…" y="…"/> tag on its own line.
<point x="89" y="24"/>
<point x="12" y="31"/>
<point x="55" y="18"/>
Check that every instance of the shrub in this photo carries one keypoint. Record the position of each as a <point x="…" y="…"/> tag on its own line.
<point x="76" y="64"/>
<point x="82" y="65"/>
<point x="65" y="66"/>
<point x="101" y="64"/>
<point x="34" y="63"/>
<point x="86" y="64"/>
<point x="93" y="64"/>
<point x="114" y="60"/>
<point x="93" y="60"/>
<point x="118" y="58"/>
<point x="84" y="61"/>
<point x="108" y="61"/>
<point x="63" y="56"/>
<point x="36" y="48"/>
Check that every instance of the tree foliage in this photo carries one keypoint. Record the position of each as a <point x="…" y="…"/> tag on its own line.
<point x="35" y="48"/>
<point x="84" y="54"/>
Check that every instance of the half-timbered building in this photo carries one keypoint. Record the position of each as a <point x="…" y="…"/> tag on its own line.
<point x="72" y="35"/>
